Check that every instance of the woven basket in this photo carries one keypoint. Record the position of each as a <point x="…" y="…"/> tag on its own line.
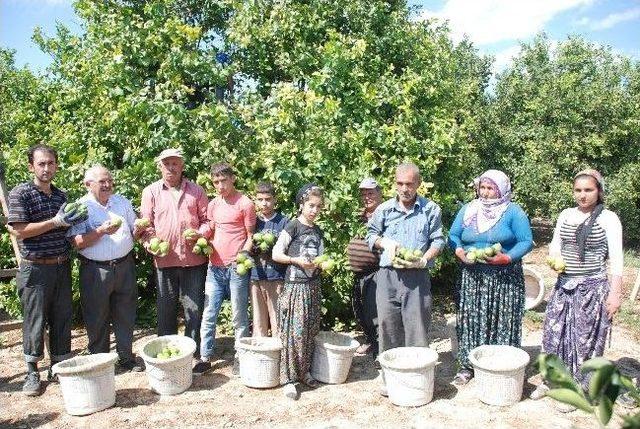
<point x="533" y="288"/>
<point x="87" y="383"/>
<point x="332" y="357"/>
<point x="259" y="361"/>
<point x="499" y="373"/>
<point x="409" y="375"/>
<point x="169" y="376"/>
<point x="359" y="257"/>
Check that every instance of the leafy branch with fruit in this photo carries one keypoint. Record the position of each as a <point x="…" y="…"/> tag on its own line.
<point x="169" y="352"/>
<point x="201" y="246"/>
<point x="406" y="257"/>
<point x="158" y="247"/>
<point x="263" y="242"/>
<point x="605" y="385"/>
<point x="556" y="263"/>
<point x="244" y="263"/>
<point x="325" y="263"/>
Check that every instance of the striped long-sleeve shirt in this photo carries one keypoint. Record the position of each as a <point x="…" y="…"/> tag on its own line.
<point x="604" y="241"/>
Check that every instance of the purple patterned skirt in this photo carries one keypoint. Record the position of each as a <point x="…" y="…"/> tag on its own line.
<point x="576" y="323"/>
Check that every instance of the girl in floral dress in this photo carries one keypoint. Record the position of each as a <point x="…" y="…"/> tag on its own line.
<point x="299" y="313"/>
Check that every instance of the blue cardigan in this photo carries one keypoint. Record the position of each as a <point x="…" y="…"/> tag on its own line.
<point x="512" y="231"/>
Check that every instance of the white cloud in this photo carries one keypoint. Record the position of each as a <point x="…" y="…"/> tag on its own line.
<point x="491" y="21"/>
<point x="611" y="20"/>
<point x="39" y="2"/>
<point x="504" y="58"/>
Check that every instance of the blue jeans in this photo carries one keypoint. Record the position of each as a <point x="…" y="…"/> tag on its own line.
<point x="221" y="283"/>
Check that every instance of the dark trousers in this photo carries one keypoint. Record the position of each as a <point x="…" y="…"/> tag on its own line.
<point x="185" y="284"/>
<point x="364" y="305"/>
<point x="45" y="295"/>
<point x="109" y="295"/>
<point x="404" y="307"/>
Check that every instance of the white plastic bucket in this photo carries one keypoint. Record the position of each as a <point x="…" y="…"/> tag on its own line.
<point x="499" y="373"/>
<point x="87" y="383"/>
<point x="259" y="361"/>
<point x="533" y="288"/>
<point x="409" y="375"/>
<point x="453" y="335"/>
<point x="169" y="376"/>
<point x="332" y="356"/>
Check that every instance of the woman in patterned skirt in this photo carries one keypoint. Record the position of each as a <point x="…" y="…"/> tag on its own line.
<point x="299" y="313"/>
<point x="584" y="300"/>
<point x="491" y="289"/>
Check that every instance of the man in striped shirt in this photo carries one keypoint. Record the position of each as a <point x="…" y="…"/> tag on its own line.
<point x="108" y="290"/>
<point x="38" y="219"/>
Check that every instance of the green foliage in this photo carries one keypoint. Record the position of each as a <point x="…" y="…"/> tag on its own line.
<point x="558" y="110"/>
<point x="9" y="300"/>
<point x="605" y="384"/>
<point x="323" y="91"/>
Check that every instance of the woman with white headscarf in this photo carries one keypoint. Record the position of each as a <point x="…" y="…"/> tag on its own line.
<point x="491" y="288"/>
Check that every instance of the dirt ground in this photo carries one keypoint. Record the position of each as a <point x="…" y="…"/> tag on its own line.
<point x="220" y="400"/>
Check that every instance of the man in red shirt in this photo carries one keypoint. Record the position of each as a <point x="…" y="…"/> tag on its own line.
<point x="232" y="218"/>
<point x="174" y="204"/>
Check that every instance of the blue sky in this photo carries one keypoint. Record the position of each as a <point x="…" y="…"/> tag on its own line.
<point x="495" y="26"/>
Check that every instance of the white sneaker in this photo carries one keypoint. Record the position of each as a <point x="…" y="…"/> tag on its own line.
<point x="290" y="391"/>
<point x="539" y="392"/>
<point x="382" y="385"/>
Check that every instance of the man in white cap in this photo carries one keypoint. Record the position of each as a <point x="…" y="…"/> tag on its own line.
<point x="364" y="264"/>
<point x="173" y="205"/>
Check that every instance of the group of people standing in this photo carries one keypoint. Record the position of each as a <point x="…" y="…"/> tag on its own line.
<point x="391" y="299"/>
<point x="103" y="227"/>
<point x="490" y="293"/>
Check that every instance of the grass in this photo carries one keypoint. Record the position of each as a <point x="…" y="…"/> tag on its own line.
<point x="629" y="314"/>
<point x="632" y="258"/>
<point x="629" y="317"/>
<point x="533" y="320"/>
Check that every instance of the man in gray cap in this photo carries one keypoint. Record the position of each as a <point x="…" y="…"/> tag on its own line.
<point x="173" y="205"/>
<point x="364" y="264"/>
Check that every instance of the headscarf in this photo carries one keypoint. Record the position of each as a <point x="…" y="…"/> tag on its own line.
<point x="303" y="193"/>
<point x="584" y="229"/>
<point x="484" y="213"/>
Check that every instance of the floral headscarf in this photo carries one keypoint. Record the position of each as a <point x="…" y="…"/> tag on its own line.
<point x="484" y="213"/>
<point x="304" y="192"/>
<point x="595" y="174"/>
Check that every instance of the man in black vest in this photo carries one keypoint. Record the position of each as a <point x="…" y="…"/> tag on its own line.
<point x="364" y="264"/>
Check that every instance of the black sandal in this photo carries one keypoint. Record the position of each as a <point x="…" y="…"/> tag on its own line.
<point x="462" y="377"/>
<point x="309" y="381"/>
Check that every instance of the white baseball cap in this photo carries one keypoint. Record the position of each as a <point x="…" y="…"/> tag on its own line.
<point x="168" y="153"/>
